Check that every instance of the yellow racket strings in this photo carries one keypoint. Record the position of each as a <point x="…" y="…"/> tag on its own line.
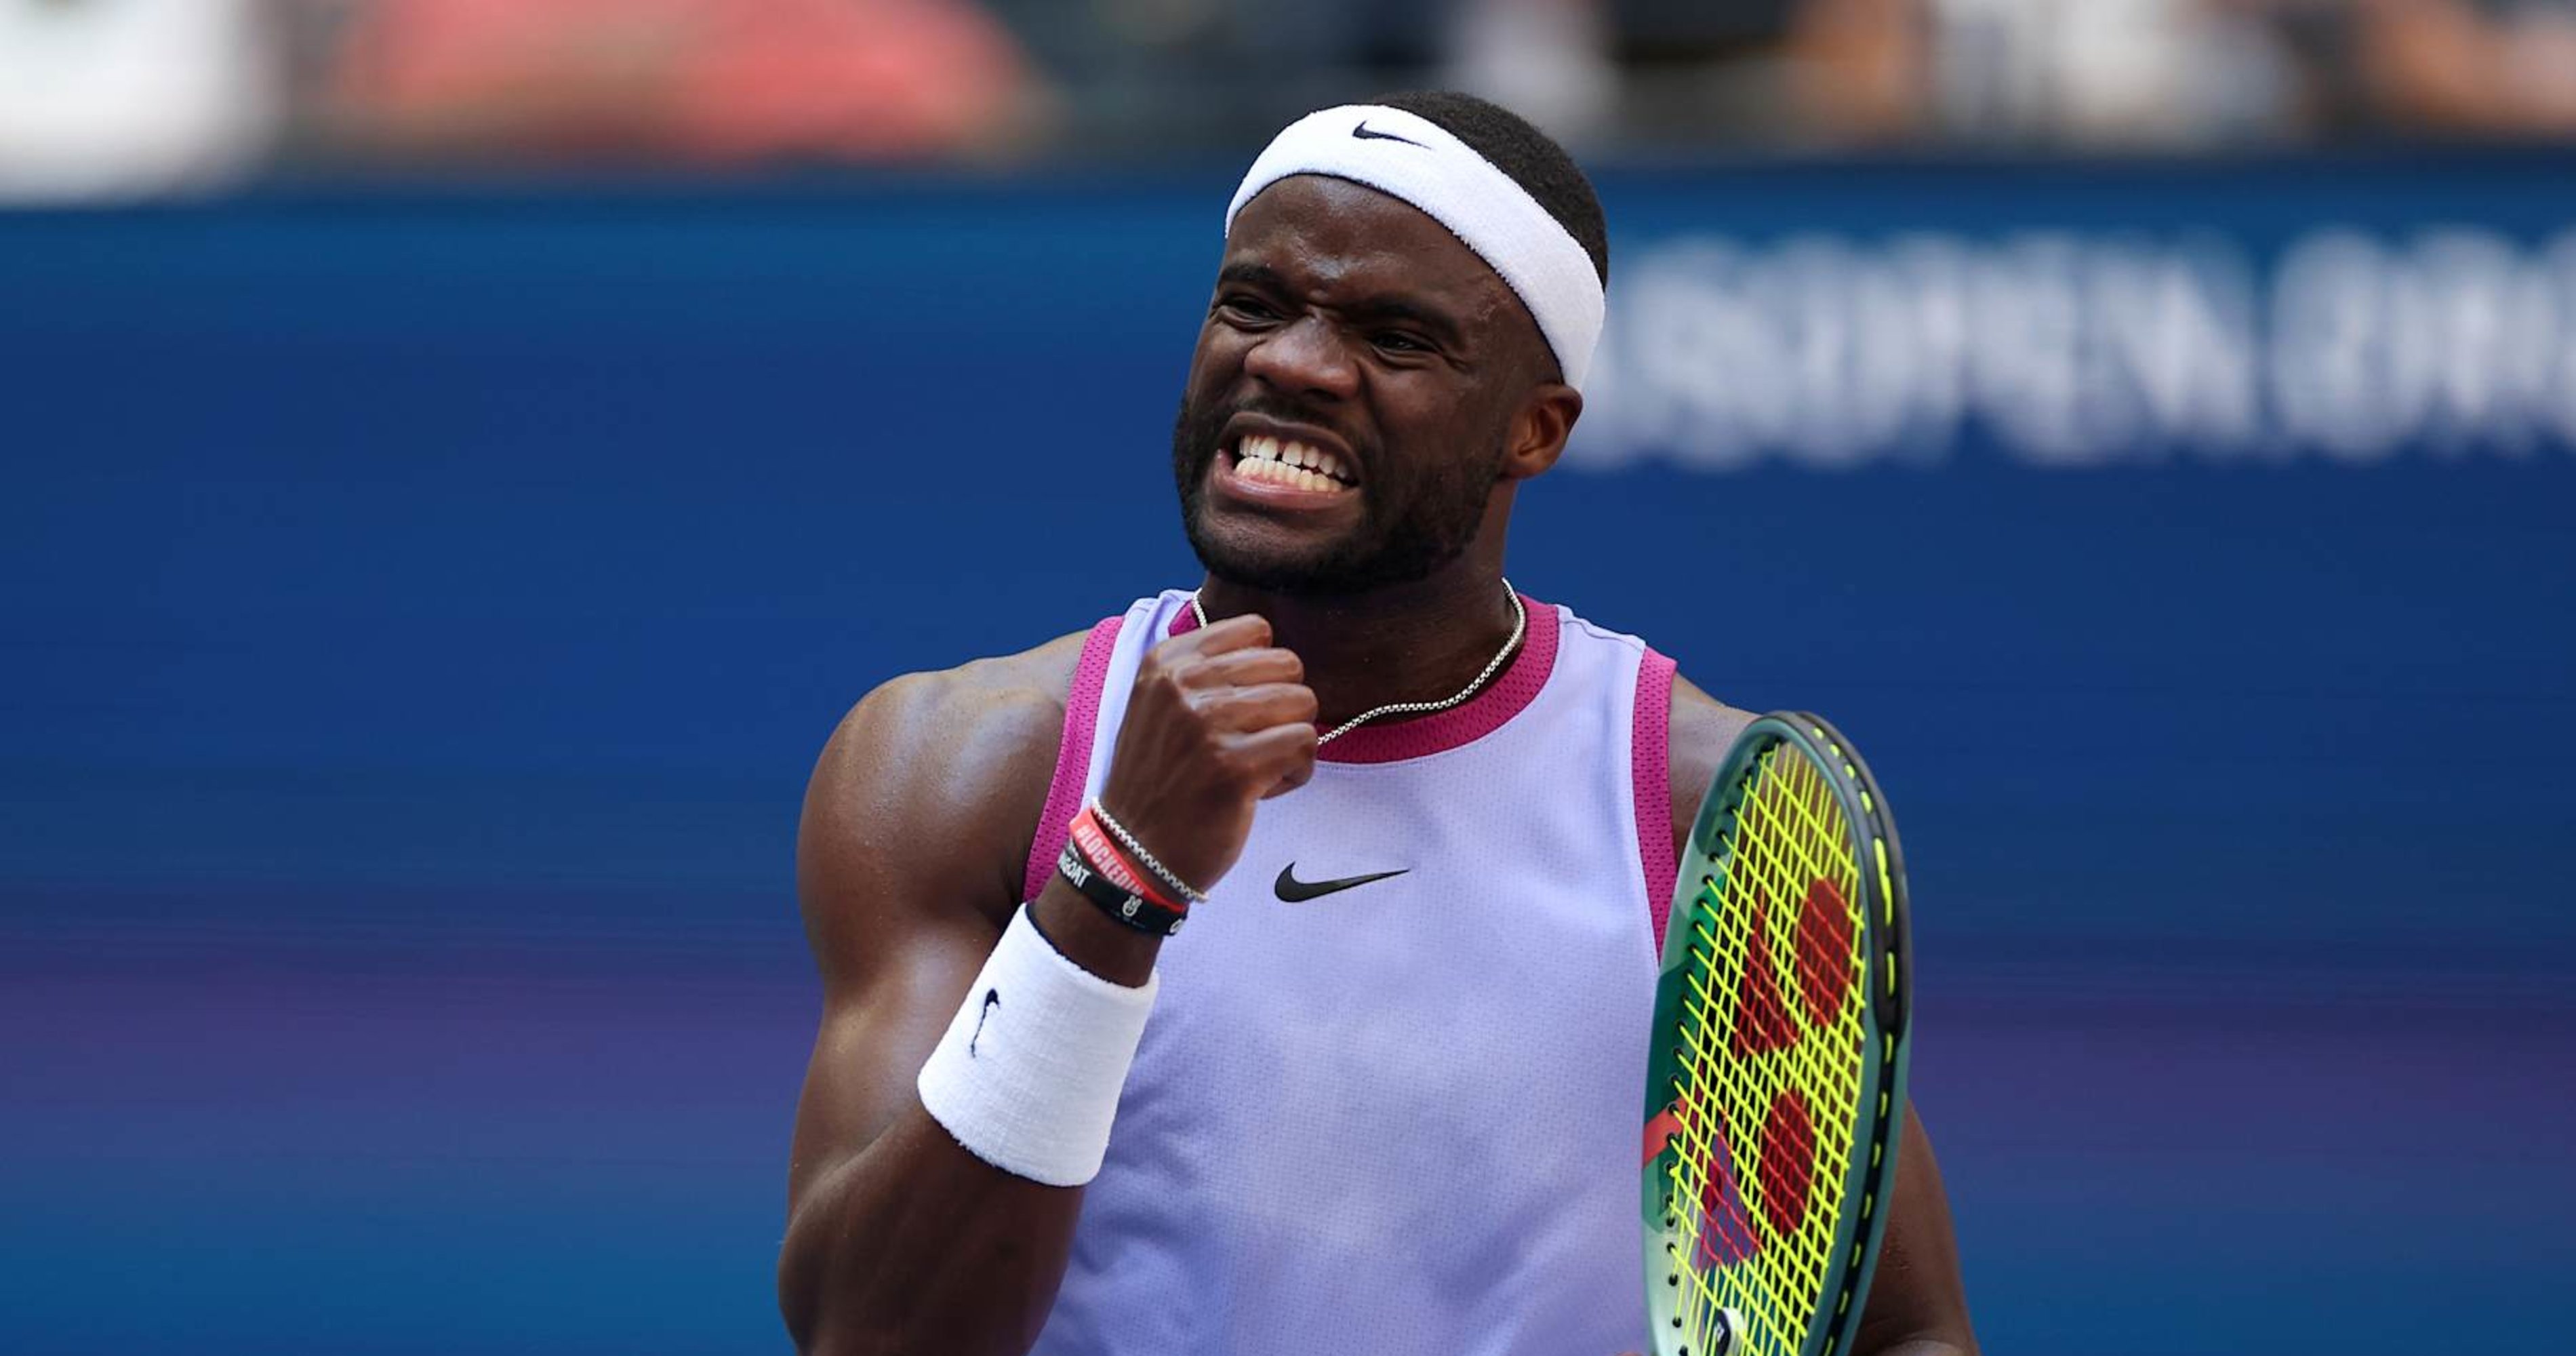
<point x="1785" y="844"/>
<point x="1778" y="855"/>
<point x="1791" y="833"/>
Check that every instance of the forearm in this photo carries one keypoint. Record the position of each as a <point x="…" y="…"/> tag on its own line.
<point x="915" y="1245"/>
<point x="1918" y="1303"/>
<point x="917" y="1242"/>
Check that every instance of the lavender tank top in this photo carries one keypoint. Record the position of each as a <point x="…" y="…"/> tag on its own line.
<point x="1402" y="1116"/>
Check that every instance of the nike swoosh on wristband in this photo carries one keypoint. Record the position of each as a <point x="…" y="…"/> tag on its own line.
<point x="1363" y="133"/>
<point x="992" y="1000"/>
<point x="1294" y="891"/>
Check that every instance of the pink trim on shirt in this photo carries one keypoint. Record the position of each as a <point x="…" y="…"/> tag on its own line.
<point x="1072" y="754"/>
<point x="1650" y="755"/>
<point x="1481" y="715"/>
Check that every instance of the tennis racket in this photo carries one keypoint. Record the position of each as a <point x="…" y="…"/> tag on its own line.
<point x="1776" y="1086"/>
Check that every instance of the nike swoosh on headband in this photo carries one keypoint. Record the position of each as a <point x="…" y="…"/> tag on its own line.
<point x="1363" y="133"/>
<point x="1294" y="891"/>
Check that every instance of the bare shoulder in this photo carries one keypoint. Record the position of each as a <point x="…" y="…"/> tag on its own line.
<point x="1703" y="729"/>
<point x="927" y="796"/>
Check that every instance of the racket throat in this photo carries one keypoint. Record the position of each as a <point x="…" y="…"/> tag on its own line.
<point x="1727" y="1335"/>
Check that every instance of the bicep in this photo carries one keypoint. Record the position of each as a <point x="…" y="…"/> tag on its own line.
<point x="907" y="858"/>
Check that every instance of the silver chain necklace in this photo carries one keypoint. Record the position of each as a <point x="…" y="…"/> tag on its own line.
<point x="1520" y="626"/>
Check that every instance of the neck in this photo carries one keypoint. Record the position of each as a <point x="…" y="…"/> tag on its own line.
<point x="1421" y="641"/>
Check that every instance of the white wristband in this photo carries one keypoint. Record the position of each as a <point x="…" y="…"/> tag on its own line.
<point x="1027" y="1077"/>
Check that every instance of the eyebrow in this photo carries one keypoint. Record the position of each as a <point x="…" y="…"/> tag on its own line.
<point x="1382" y="306"/>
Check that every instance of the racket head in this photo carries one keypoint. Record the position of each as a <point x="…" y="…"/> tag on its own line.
<point x="1776" y="1079"/>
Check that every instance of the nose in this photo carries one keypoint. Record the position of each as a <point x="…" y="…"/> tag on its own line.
<point x="1304" y="357"/>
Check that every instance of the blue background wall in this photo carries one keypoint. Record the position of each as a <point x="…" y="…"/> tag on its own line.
<point x="418" y="614"/>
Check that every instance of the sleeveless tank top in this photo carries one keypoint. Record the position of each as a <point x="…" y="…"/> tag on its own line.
<point x="1402" y="1116"/>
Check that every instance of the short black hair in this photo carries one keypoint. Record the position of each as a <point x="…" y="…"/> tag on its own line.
<point x="1531" y="157"/>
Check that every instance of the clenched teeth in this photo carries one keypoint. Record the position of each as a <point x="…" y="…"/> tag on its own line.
<point x="1288" y="462"/>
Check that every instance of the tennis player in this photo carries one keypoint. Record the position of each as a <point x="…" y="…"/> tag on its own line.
<point x="1267" y="969"/>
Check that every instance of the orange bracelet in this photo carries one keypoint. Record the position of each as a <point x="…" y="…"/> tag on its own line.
<point x="1114" y="865"/>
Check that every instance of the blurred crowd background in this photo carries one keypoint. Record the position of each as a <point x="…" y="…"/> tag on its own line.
<point x="110" y="97"/>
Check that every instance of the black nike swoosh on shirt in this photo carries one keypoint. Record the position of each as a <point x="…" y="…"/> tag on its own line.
<point x="1294" y="891"/>
<point x="1363" y="133"/>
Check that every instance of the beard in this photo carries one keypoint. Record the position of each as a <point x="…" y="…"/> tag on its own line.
<point x="1407" y="530"/>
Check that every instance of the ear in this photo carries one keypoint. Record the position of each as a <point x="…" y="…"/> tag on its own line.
<point x="1540" y="428"/>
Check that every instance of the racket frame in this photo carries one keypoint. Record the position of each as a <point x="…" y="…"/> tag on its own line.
<point x="1887" y="941"/>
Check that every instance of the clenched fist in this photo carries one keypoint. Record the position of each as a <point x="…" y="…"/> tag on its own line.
<point x="1219" y="720"/>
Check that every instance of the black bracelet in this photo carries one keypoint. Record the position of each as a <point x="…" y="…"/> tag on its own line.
<point x="1134" y="910"/>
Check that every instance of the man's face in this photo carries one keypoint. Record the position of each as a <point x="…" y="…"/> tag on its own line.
<point x="1348" y="406"/>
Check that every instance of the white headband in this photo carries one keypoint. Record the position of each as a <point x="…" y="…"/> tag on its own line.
<point x="1410" y="157"/>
